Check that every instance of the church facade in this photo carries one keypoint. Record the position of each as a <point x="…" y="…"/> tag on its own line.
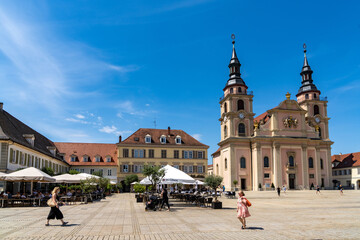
<point x="287" y="145"/>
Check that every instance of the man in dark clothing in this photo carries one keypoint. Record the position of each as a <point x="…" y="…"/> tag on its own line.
<point x="278" y="191"/>
<point x="165" y="199"/>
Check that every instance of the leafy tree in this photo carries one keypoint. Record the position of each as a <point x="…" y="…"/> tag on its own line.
<point x="235" y="182"/>
<point x="138" y="188"/>
<point x="98" y="173"/>
<point x="73" y="171"/>
<point x="48" y="170"/>
<point x="88" y="185"/>
<point x="155" y="174"/>
<point x="130" y="179"/>
<point x="104" y="183"/>
<point x="213" y="181"/>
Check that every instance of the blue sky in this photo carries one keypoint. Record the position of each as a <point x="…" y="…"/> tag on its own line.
<point x="87" y="71"/>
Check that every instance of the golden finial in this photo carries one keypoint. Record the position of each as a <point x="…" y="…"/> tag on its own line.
<point x="317" y="128"/>
<point x="256" y="125"/>
<point x="288" y="96"/>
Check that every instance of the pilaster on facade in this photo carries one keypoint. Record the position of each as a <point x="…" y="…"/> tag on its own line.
<point x="317" y="166"/>
<point x="305" y="167"/>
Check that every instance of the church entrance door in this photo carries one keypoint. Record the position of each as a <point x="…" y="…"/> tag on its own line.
<point x="291" y="181"/>
<point x="243" y="184"/>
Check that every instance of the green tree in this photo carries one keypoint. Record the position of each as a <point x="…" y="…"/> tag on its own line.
<point x="155" y="174"/>
<point x="48" y="170"/>
<point x="98" y="173"/>
<point x="213" y="181"/>
<point x="130" y="179"/>
<point x="88" y="185"/>
<point x="138" y="188"/>
<point x="104" y="183"/>
<point x="235" y="182"/>
<point x="73" y="172"/>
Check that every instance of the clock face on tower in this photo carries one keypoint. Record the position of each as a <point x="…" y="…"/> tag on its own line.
<point x="317" y="119"/>
<point x="241" y="115"/>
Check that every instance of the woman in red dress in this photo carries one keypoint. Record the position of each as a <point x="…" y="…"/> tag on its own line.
<point x="242" y="209"/>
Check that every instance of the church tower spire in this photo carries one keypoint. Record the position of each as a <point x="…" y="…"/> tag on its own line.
<point x="307" y="84"/>
<point x="234" y="67"/>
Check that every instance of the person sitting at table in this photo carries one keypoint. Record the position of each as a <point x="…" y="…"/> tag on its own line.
<point x="35" y="192"/>
<point x="23" y="195"/>
<point x="9" y="195"/>
<point x="17" y="195"/>
<point x="69" y="194"/>
<point x="40" y="195"/>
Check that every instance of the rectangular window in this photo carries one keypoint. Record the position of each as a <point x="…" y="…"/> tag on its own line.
<point x="136" y="168"/>
<point x="73" y="159"/>
<point x="311" y="176"/>
<point x="163" y="153"/>
<point x="185" y="168"/>
<point x="125" y="153"/>
<point x="176" y="153"/>
<point x="108" y="159"/>
<point x="349" y="171"/>
<point x="200" y="169"/>
<point x="151" y="153"/>
<point x="266" y="175"/>
<point x="147" y="139"/>
<point x="190" y="169"/>
<point x="140" y="168"/>
<point x="200" y="155"/>
<point x="138" y="153"/>
<point x="176" y="166"/>
<point x="97" y="159"/>
<point x="188" y="154"/>
<point x="91" y="170"/>
<point x="85" y="158"/>
<point x="125" y="168"/>
<point x="348" y="183"/>
<point x="102" y="172"/>
<point x="109" y="172"/>
<point x="82" y="170"/>
<point x="22" y="158"/>
<point x="340" y="172"/>
<point x="335" y="173"/>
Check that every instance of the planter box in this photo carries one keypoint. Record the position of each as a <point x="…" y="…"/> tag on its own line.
<point x="139" y="199"/>
<point x="216" y="205"/>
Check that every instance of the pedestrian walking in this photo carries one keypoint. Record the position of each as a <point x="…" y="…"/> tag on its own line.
<point x="341" y="189"/>
<point x="242" y="209"/>
<point x="317" y="189"/>
<point x="55" y="212"/>
<point x="278" y="191"/>
<point x="165" y="199"/>
<point x="284" y="189"/>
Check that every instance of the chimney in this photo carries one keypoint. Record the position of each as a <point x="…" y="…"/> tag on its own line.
<point x="169" y="131"/>
<point x="1" y="106"/>
<point x="120" y="139"/>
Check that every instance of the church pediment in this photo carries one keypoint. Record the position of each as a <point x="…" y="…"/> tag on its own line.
<point x="287" y="105"/>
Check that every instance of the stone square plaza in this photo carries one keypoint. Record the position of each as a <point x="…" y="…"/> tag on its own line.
<point x="295" y="215"/>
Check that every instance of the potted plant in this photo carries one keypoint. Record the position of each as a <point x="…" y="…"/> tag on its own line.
<point x="155" y="174"/>
<point x="235" y="182"/>
<point x="139" y="190"/>
<point x="214" y="182"/>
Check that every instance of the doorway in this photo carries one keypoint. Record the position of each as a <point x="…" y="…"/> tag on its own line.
<point x="291" y="181"/>
<point x="243" y="184"/>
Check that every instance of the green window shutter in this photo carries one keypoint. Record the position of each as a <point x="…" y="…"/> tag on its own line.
<point x="32" y="161"/>
<point x="17" y="156"/>
<point x="11" y="159"/>
<point x="25" y="159"/>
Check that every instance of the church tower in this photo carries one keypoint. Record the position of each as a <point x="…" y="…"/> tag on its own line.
<point x="309" y="99"/>
<point x="236" y="104"/>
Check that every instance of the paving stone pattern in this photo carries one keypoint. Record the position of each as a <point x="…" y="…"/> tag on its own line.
<point x="296" y="215"/>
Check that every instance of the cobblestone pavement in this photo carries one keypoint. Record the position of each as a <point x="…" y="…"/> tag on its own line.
<point x="296" y="215"/>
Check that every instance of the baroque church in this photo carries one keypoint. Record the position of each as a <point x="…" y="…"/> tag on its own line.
<point x="287" y="145"/>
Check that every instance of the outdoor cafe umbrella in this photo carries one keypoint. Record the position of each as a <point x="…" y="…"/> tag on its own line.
<point x="29" y="174"/>
<point x="172" y="176"/>
<point x="68" y="178"/>
<point x="86" y="176"/>
<point x="2" y="174"/>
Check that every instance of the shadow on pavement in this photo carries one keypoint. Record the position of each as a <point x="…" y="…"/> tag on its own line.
<point x="255" y="228"/>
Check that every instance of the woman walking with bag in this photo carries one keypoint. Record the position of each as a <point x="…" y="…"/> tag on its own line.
<point x="54" y="204"/>
<point x="242" y="209"/>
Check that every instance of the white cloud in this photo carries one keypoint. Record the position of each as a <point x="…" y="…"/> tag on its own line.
<point x="79" y="116"/>
<point x="108" y="129"/>
<point x="148" y="105"/>
<point x="197" y="136"/>
<point x="124" y="69"/>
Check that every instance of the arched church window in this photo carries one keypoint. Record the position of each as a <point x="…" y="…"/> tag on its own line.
<point x="242" y="162"/>
<point x="241" y="129"/>
<point x="311" y="162"/>
<point x="240" y="104"/>
<point x="225" y="108"/>
<point x="217" y="169"/>
<point x="315" y="95"/>
<point x="291" y="161"/>
<point x="225" y="163"/>
<point x="306" y="96"/>
<point x="231" y="90"/>
<point x="266" y="162"/>
<point x="316" y="110"/>
<point x="225" y="131"/>
<point x="239" y="89"/>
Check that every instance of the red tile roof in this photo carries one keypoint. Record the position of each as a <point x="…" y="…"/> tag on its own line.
<point x="262" y="117"/>
<point x="138" y="137"/>
<point x="216" y="152"/>
<point x="89" y="149"/>
<point x="347" y="160"/>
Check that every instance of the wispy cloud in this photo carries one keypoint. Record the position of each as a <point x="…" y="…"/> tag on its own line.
<point x="80" y="116"/>
<point x="113" y="130"/>
<point x="197" y="136"/>
<point x="348" y="87"/>
<point x="128" y="107"/>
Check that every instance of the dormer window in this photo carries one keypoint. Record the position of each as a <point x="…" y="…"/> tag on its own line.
<point x="85" y="158"/>
<point x="73" y="159"/>
<point x="97" y="159"/>
<point x="52" y="149"/>
<point x="148" y="139"/>
<point x="30" y="138"/>
<point x="108" y="159"/>
<point x="178" y="140"/>
<point x="163" y="139"/>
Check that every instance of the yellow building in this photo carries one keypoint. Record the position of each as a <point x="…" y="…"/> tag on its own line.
<point x="160" y="147"/>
